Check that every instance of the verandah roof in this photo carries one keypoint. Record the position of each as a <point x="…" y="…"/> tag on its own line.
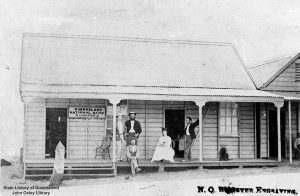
<point x="124" y="92"/>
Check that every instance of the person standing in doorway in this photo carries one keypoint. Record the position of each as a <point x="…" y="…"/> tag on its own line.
<point x="189" y="137"/>
<point x="132" y="128"/>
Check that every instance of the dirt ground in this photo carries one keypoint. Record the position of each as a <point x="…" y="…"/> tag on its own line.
<point x="10" y="176"/>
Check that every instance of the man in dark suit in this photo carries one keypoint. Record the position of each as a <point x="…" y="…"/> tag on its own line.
<point x="189" y="137"/>
<point x="132" y="127"/>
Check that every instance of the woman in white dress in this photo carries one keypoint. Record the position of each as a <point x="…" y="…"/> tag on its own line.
<point x="163" y="150"/>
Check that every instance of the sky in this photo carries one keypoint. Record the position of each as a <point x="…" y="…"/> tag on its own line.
<point x="260" y="29"/>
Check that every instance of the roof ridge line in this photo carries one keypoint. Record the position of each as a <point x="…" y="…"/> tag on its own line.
<point x="136" y="39"/>
<point x="269" y="61"/>
<point x="244" y="65"/>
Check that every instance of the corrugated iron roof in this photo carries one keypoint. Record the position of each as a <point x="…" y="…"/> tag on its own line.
<point x="94" y="61"/>
<point x="148" y="91"/>
<point x="263" y="72"/>
<point x="292" y="96"/>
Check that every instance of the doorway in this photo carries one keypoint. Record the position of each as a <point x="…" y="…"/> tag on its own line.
<point x="273" y="141"/>
<point x="174" y="122"/>
<point x="56" y="130"/>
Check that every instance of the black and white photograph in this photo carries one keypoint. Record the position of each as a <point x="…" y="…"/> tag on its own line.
<point x="150" y="97"/>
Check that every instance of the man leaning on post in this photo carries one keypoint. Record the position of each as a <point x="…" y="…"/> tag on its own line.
<point x="189" y="137"/>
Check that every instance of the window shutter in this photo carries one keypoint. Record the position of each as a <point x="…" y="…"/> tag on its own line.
<point x="297" y="74"/>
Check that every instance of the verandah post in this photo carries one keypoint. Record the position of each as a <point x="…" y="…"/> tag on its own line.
<point x="114" y="102"/>
<point x="278" y="106"/>
<point x="200" y="104"/>
<point x="290" y="134"/>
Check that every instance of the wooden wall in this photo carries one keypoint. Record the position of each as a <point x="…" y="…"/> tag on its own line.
<point x="242" y="146"/>
<point x="294" y="111"/>
<point x="247" y="130"/>
<point x="35" y="129"/>
<point x="264" y="126"/>
<point x="155" y="120"/>
<point x="210" y="130"/>
<point x="285" y="81"/>
<point x="81" y="144"/>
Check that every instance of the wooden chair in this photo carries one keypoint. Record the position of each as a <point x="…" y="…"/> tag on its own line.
<point x="103" y="150"/>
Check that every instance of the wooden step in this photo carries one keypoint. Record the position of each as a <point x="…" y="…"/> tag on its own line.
<point x="68" y="169"/>
<point x="48" y="175"/>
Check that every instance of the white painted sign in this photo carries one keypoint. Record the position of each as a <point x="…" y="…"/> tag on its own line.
<point x="86" y="112"/>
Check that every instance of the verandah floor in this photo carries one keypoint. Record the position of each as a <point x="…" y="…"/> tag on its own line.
<point x="147" y="163"/>
<point x="104" y="168"/>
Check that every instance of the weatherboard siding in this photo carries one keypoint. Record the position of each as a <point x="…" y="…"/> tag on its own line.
<point x="81" y="144"/>
<point x="210" y="131"/>
<point x="264" y="126"/>
<point x="247" y="130"/>
<point x="294" y="122"/>
<point x="155" y="121"/>
<point x="286" y="80"/>
<point x="35" y="129"/>
<point x="242" y="146"/>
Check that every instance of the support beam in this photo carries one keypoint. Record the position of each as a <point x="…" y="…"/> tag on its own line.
<point x="200" y="104"/>
<point x="114" y="102"/>
<point x="290" y="134"/>
<point x="278" y="106"/>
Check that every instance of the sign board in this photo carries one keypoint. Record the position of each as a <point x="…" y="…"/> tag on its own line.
<point x="87" y="112"/>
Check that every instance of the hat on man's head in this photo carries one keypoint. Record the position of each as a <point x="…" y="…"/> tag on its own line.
<point x="132" y="138"/>
<point x="120" y="114"/>
<point x="131" y="113"/>
<point x="164" y="129"/>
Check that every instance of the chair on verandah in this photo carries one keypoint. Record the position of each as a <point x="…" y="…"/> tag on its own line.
<point x="103" y="150"/>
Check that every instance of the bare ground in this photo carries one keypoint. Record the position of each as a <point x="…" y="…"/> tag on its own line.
<point x="10" y="176"/>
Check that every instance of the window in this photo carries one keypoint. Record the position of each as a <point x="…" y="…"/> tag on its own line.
<point x="228" y="119"/>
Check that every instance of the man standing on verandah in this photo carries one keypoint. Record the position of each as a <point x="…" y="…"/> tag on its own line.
<point x="133" y="128"/>
<point x="189" y="137"/>
<point x="121" y="144"/>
